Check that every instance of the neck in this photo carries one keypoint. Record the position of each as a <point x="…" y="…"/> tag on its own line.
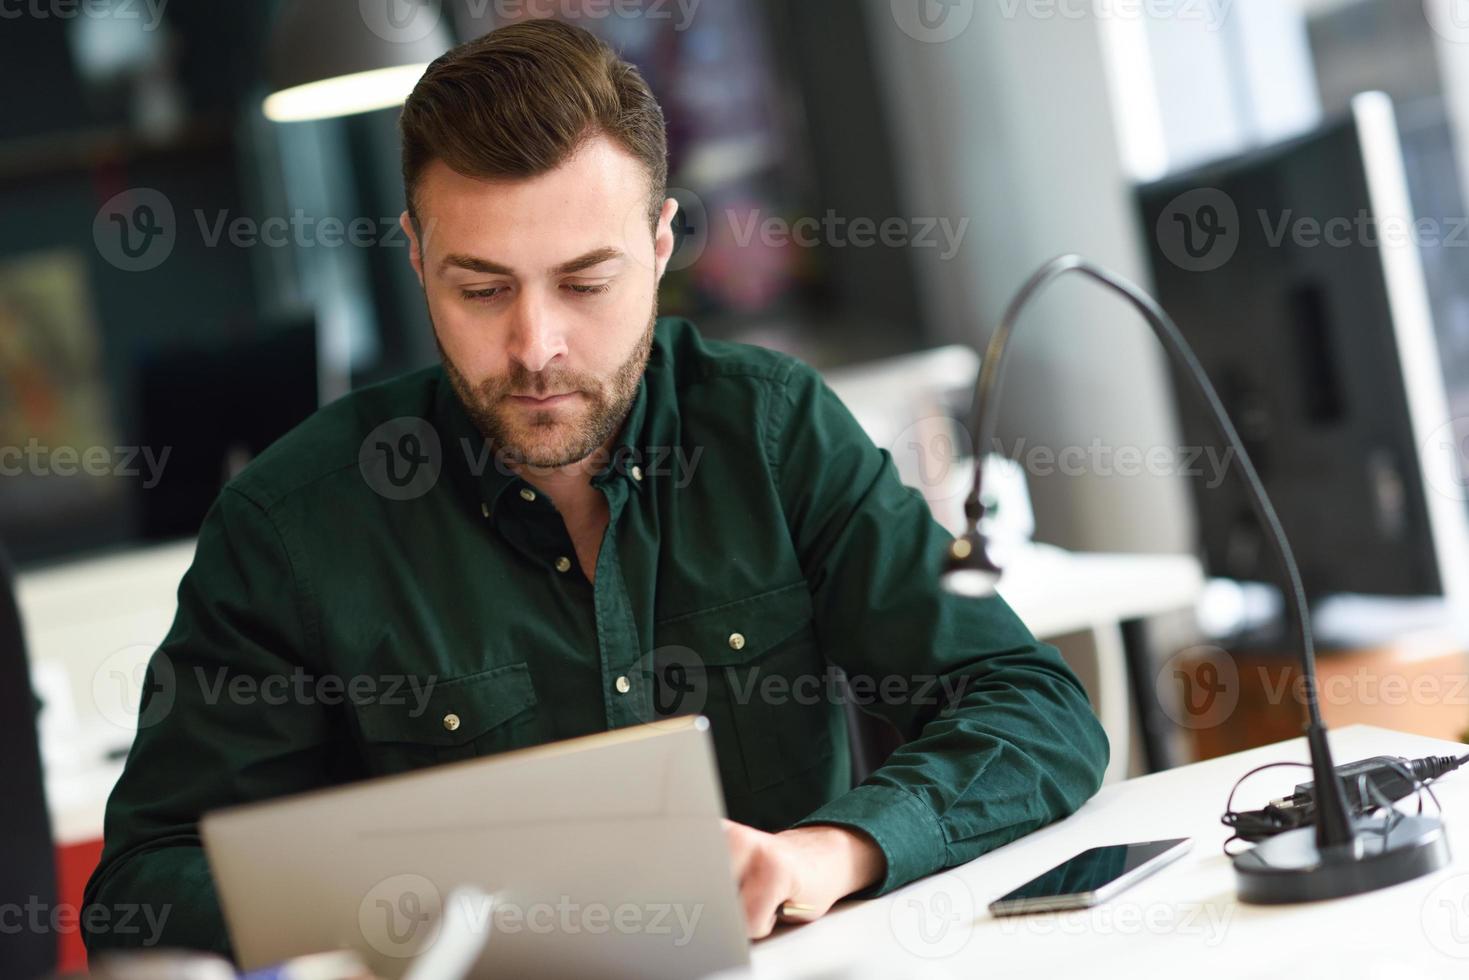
<point x="570" y="486"/>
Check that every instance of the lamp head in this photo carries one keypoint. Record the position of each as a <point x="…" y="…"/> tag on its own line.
<point x="969" y="570"/>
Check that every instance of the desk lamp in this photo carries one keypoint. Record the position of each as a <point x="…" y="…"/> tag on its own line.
<point x="1341" y="854"/>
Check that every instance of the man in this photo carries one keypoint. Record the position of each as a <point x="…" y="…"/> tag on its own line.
<point x="522" y="544"/>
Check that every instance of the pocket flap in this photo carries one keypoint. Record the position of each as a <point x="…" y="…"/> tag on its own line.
<point x="739" y="631"/>
<point x="455" y="711"/>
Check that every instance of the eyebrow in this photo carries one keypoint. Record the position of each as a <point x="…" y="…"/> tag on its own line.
<point x="582" y="262"/>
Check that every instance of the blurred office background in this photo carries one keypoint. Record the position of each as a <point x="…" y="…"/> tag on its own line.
<point x="865" y="184"/>
<point x="182" y="279"/>
<point x="1003" y="135"/>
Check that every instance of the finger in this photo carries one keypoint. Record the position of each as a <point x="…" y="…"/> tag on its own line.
<point x="762" y="890"/>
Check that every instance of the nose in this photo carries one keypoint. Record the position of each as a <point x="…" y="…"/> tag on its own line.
<point x="536" y="339"/>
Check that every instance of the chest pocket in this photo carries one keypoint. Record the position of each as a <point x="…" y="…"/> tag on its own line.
<point x="448" y="720"/>
<point x="755" y="670"/>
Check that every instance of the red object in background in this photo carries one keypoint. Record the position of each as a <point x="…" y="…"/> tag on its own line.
<point x="74" y="865"/>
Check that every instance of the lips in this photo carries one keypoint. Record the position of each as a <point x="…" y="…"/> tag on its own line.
<point x="548" y="400"/>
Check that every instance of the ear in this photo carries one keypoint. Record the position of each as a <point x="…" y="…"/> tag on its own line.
<point x="663" y="238"/>
<point x="415" y="247"/>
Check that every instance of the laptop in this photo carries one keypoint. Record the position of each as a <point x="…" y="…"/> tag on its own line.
<point x="597" y="856"/>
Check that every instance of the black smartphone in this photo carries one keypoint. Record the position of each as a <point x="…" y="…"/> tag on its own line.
<point x="1091" y="877"/>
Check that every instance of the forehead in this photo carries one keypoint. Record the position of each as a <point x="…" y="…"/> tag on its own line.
<point x="595" y="198"/>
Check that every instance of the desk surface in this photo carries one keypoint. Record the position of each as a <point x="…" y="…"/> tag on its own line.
<point x="1183" y="921"/>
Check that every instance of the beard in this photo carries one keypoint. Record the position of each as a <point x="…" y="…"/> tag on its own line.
<point x="558" y="437"/>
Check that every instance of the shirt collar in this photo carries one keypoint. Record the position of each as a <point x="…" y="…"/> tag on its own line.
<point x="484" y="474"/>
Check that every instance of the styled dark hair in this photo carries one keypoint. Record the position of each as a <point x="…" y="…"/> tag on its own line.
<point x="520" y="100"/>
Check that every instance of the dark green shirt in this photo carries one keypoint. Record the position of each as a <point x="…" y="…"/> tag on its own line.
<point x="378" y="592"/>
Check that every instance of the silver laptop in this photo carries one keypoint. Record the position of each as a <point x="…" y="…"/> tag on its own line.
<point x="598" y="856"/>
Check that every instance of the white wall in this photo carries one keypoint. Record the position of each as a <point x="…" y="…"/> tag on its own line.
<point x="1009" y="123"/>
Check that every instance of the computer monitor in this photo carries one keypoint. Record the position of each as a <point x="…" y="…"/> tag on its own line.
<point x="1301" y="275"/>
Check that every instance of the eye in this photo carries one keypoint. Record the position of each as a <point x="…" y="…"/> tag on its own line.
<point x="583" y="289"/>
<point x="482" y="295"/>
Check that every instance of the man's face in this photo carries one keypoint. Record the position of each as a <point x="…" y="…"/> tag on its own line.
<point x="542" y="293"/>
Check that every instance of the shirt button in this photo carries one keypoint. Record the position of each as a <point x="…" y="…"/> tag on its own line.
<point x="527" y="494"/>
<point x="623" y="685"/>
<point x="563" y="564"/>
<point x="736" y="641"/>
<point x="451" y="722"/>
<point x="637" y="473"/>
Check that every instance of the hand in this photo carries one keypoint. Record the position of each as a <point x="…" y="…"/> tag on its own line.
<point x="815" y="865"/>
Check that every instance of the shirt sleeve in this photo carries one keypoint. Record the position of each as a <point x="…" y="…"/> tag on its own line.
<point x="218" y="725"/>
<point x="1000" y="737"/>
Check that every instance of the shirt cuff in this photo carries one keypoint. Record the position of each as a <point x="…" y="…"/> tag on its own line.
<point x="905" y="829"/>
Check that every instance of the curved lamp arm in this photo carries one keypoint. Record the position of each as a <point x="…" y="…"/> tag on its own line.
<point x="972" y="571"/>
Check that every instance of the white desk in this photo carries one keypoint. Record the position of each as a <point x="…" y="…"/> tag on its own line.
<point x="1184" y="921"/>
<point x="86" y="620"/>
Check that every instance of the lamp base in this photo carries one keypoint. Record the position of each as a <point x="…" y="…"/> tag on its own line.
<point x="1290" y="867"/>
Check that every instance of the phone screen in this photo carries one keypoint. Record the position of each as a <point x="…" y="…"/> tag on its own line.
<point x="1091" y="870"/>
